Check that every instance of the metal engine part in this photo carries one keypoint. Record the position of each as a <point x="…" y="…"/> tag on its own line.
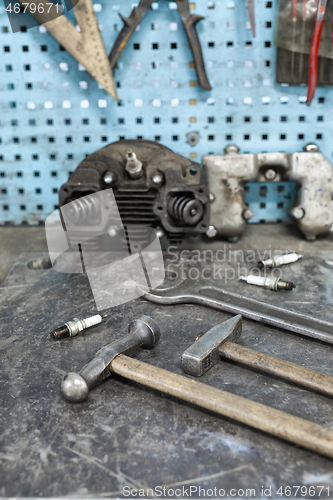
<point x="315" y="198"/>
<point x="225" y="176"/>
<point x="152" y="185"/>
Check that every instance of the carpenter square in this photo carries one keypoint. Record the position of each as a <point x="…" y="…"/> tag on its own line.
<point x="250" y="8"/>
<point x="220" y="342"/>
<point x="86" y="46"/>
<point x="145" y="332"/>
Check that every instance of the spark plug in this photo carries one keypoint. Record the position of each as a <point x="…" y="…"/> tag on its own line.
<point x="279" y="260"/>
<point x="76" y="326"/>
<point x="133" y="165"/>
<point x="270" y="282"/>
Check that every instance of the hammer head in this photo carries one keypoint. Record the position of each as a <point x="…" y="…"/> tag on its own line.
<point x="143" y="332"/>
<point x="147" y="329"/>
<point x="204" y="353"/>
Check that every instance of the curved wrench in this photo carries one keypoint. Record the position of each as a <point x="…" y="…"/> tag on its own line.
<point x="236" y="303"/>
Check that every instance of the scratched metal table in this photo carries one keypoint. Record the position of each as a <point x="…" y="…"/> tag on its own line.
<point x="126" y="435"/>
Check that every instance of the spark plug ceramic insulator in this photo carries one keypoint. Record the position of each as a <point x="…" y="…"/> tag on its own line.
<point x="269" y="282"/>
<point x="76" y="326"/>
<point x="279" y="260"/>
<point x="133" y="165"/>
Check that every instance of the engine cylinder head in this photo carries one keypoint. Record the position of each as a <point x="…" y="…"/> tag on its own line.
<point x="83" y="209"/>
<point x="185" y="209"/>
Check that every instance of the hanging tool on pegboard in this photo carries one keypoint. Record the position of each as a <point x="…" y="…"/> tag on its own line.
<point x="304" y="44"/>
<point x="313" y="60"/>
<point x="250" y="8"/>
<point x="189" y="21"/>
<point x="86" y="45"/>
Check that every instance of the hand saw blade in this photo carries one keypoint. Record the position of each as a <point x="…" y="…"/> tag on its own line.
<point x="86" y="46"/>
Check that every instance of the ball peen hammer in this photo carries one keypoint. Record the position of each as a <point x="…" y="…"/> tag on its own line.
<point x="145" y="332"/>
<point x="220" y="342"/>
<point x="142" y="332"/>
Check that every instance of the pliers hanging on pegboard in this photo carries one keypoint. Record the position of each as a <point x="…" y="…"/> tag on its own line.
<point x="313" y="60"/>
<point x="189" y="22"/>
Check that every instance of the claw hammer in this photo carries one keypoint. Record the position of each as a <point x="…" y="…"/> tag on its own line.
<point x="145" y="332"/>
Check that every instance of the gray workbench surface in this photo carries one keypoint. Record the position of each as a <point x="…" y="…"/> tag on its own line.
<point x="15" y="240"/>
<point x="127" y="435"/>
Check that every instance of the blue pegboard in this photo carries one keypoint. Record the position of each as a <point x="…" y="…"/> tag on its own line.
<point x="270" y="201"/>
<point x="53" y="114"/>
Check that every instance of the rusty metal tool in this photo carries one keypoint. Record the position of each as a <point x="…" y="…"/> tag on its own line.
<point x="145" y="332"/>
<point x="189" y="21"/>
<point x="313" y="59"/>
<point x="293" y="36"/>
<point x="86" y="46"/>
<point x="250" y="8"/>
<point x="189" y="292"/>
<point x="142" y="332"/>
<point x="301" y="61"/>
<point x="220" y="342"/>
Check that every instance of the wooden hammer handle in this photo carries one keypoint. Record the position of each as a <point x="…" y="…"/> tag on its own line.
<point x="283" y="425"/>
<point x="300" y="375"/>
